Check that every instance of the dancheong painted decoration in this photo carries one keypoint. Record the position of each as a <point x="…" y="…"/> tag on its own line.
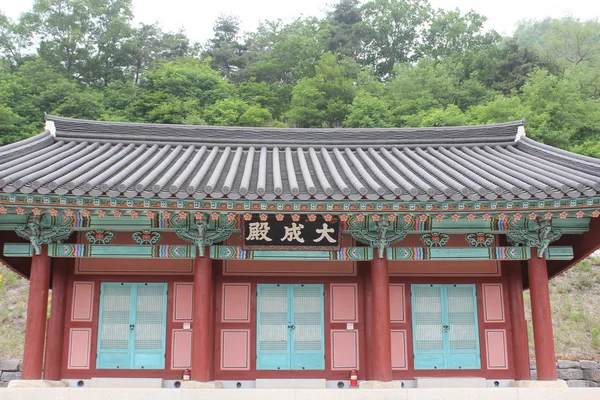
<point x="236" y="254"/>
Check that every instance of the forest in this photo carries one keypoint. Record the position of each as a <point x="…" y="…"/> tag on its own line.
<point x="378" y="63"/>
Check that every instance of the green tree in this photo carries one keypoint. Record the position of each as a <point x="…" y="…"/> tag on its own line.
<point x="279" y="53"/>
<point x="452" y="34"/>
<point x="256" y="116"/>
<point x="368" y="111"/>
<point x="225" y="112"/>
<point x="391" y="32"/>
<point x="225" y="49"/>
<point x="344" y="24"/>
<point x="172" y="90"/>
<point x="13" y="41"/>
<point x="328" y="94"/>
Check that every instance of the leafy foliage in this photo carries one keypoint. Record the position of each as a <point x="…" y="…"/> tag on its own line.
<point x="378" y="63"/>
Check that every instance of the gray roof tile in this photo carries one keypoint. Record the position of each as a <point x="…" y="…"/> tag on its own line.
<point x="174" y="161"/>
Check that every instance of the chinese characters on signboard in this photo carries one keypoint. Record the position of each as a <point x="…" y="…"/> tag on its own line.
<point x="284" y="233"/>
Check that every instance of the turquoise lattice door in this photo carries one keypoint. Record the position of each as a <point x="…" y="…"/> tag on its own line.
<point x="445" y="331"/>
<point x="132" y="327"/>
<point x="290" y="327"/>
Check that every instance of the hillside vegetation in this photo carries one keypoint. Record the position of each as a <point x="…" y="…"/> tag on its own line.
<point x="575" y="297"/>
<point x="377" y="63"/>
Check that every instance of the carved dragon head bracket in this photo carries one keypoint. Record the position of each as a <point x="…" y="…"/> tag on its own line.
<point x="381" y="238"/>
<point x="202" y="233"/>
<point x="38" y="235"/>
<point x="539" y="239"/>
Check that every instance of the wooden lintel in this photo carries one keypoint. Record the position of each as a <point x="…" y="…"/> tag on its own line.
<point x="237" y="253"/>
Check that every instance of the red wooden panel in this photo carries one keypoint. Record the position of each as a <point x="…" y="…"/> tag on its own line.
<point x="397" y="308"/>
<point x="79" y="348"/>
<point x="344" y="302"/>
<point x="83" y="295"/>
<point x="495" y="344"/>
<point x="181" y="357"/>
<point x="344" y="349"/>
<point x="183" y="304"/>
<point x="493" y="302"/>
<point x="399" y="349"/>
<point x="236" y="302"/>
<point x="235" y="349"/>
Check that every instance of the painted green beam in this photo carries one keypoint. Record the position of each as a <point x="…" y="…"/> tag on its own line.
<point x="237" y="253"/>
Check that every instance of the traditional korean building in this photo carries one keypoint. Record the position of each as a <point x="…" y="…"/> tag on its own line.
<point x="244" y="254"/>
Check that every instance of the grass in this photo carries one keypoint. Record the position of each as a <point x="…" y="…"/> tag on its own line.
<point x="14" y="291"/>
<point x="575" y="299"/>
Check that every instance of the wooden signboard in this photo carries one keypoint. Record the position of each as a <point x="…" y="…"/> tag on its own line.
<point x="291" y="232"/>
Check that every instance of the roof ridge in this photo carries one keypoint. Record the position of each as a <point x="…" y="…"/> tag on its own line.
<point x="250" y="128"/>
<point x="108" y="131"/>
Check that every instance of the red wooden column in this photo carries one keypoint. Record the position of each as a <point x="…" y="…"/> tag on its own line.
<point x="37" y="306"/>
<point x="381" y="345"/>
<point x="56" y="324"/>
<point x="202" y="324"/>
<point x="520" y="345"/>
<point x="368" y="324"/>
<point x="543" y="338"/>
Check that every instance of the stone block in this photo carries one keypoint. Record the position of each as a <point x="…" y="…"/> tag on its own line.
<point x="581" y="383"/>
<point x="380" y="385"/>
<point x="36" y="383"/>
<point x="291" y="384"/>
<point x="533" y="374"/>
<point x="539" y="384"/>
<point x="201" y="385"/>
<point x="570" y="374"/>
<point x="591" y="374"/>
<point x="126" y="383"/>
<point x="585" y="364"/>
<point x="9" y="365"/>
<point x="532" y="364"/>
<point x="564" y="364"/>
<point x="10" y="376"/>
<point x="444" y="383"/>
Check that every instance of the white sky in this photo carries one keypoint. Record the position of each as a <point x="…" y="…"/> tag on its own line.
<point x="197" y="17"/>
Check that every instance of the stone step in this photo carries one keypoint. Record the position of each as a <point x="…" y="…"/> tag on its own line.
<point x="291" y="384"/>
<point x="446" y="383"/>
<point x="135" y="383"/>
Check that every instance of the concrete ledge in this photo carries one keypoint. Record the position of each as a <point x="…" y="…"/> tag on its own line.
<point x="446" y="383"/>
<point x="291" y="384"/>
<point x="35" y="383"/>
<point x="201" y="385"/>
<point x="380" y="385"/>
<point x="300" y="394"/>
<point x="122" y="383"/>
<point x="539" y="384"/>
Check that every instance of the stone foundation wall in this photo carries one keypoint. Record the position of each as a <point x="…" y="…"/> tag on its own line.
<point x="9" y="370"/>
<point x="576" y="373"/>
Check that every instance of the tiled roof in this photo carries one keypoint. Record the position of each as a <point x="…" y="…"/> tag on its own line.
<point x="175" y="161"/>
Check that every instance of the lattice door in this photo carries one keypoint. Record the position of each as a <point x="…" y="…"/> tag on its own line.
<point x="150" y="325"/>
<point x="290" y="327"/>
<point x="463" y="335"/>
<point x="445" y="330"/>
<point x="132" y="326"/>
<point x="307" y="319"/>
<point x="114" y="334"/>
<point x="428" y="318"/>
<point x="273" y="344"/>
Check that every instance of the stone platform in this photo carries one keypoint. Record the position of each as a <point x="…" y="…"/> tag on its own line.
<point x="302" y="394"/>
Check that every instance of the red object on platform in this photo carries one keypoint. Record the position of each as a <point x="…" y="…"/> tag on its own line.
<point x="353" y="379"/>
<point x="186" y="375"/>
